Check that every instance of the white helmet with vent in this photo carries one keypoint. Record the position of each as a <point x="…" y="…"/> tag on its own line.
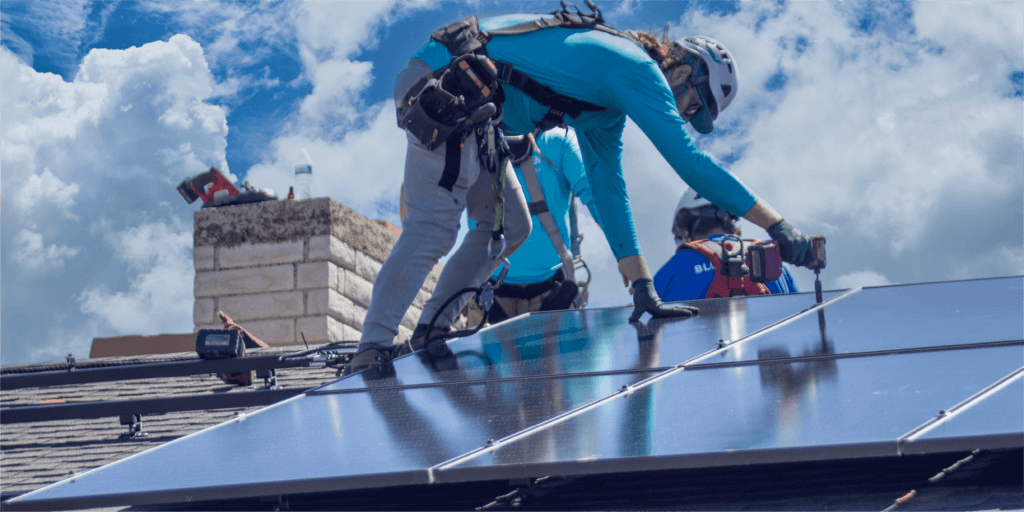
<point x="721" y="69"/>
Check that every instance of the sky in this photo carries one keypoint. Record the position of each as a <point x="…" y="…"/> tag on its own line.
<point x="894" y="129"/>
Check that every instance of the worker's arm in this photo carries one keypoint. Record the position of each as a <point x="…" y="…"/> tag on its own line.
<point x="640" y="90"/>
<point x="576" y="175"/>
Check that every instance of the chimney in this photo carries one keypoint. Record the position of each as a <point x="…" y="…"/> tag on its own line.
<point x="281" y="268"/>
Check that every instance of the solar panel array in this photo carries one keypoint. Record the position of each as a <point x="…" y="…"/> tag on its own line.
<point x="884" y="371"/>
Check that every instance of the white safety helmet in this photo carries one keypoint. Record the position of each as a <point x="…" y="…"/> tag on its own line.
<point x="690" y="200"/>
<point x="722" y="79"/>
<point x="701" y="209"/>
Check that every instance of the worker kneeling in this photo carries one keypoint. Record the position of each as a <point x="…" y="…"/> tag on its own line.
<point x="702" y="231"/>
<point x="542" y="275"/>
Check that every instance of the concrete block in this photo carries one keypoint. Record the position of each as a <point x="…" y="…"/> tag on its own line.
<point x="357" y="289"/>
<point x="280" y="332"/>
<point x="245" y="280"/>
<point x="329" y="302"/>
<point x="358" y="316"/>
<point x="367" y="267"/>
<point x="349" y="333"/>
<point x="203" y="311"/>
<point x="421" y="297"/>
<point x="263" y="305"/>
<point x="403" y="334"/>
<point x="202" y="257"/>
<point x="319" y="274"/>
<point x="326" y="247"/>
<point x="431" y="281"/>
<point x="320" y="328"/>
<point x="252" y="255"/>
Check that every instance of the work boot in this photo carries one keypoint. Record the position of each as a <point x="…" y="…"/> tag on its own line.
<point x="371" y="358"/>
<point x="418" y="341"/>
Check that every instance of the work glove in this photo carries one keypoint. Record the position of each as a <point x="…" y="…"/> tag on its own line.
<point x="645" y="299"/>
<point x="794" y="246"/>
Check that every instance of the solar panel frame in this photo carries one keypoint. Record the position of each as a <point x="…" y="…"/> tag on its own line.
<point x="463" y="469"/>
<point x="969" y="425"/>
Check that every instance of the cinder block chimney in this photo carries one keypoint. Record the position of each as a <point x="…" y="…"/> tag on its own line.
<point x="281" y="268"/>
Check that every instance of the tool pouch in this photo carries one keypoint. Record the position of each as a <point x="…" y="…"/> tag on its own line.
<point x="463" y="96"/>
<point x="433" y="116"/>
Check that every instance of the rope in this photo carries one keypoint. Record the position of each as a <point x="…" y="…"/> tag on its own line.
<point x="938" y="476"/>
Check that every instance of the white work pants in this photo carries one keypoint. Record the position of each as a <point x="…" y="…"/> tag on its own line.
<point x="430" y="229"/>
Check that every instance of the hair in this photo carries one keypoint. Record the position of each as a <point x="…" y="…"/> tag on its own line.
<point x="667" y="53"/>
<point x="684" y="222"/>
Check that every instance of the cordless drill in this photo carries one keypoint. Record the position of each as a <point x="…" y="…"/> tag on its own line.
<point x="818" y="263"/>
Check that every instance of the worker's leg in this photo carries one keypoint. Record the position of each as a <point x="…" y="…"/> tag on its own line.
<point x="470" y="266"/>
<point x="429" y="231"/>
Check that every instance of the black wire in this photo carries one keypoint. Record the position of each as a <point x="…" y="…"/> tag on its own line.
<point x="456" y="334"/>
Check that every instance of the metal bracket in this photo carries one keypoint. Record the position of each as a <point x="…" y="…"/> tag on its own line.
<point x="134" y="424"/>
<point x="269" y="376"/>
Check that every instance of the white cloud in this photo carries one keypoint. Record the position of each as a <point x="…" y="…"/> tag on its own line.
<point x="35" y="257"/>
<point x="44" y="189"/>
<point x="885" y="142"/>
<point x="357" y="152"/>
<point x="159" y="298"/>
<point x="90" y="160"/>
<point x="866" y="277"/>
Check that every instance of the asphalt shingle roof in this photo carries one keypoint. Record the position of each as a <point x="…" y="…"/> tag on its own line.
<point x="36" y="454"/>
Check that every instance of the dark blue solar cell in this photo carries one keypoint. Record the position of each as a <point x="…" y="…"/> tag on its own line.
<point x="996" y="420"/>
<point x="898" y="317"/>
<point x="329" y="442"/>
<point x="590" y="340"/>
<point x="758" y="413"/>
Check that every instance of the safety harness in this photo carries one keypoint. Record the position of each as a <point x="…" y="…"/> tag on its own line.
<point x="724" y="285"/>
<point x="570" y="291"/>
<point x="464" y="37"/>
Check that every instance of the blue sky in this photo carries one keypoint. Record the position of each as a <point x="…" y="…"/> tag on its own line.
<point x="893" y="128"/>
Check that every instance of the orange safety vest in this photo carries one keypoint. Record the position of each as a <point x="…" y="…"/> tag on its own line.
<point x="722" y="285"/>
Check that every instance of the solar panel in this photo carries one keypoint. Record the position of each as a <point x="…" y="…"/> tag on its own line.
<point x="590" y="340"/>
<point x="992" y="421"/>
<point x="897" y="318"/>
<point x="378" y="437"/>
<point x="587" y="392"/>
<point x="757" y="413"/>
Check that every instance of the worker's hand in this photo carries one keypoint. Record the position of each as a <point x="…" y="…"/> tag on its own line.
<point x="645" y="299"/>
<point x="794" y="246"/>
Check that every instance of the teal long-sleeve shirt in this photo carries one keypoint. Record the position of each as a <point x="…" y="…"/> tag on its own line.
<point x="536" y="260"/>
<point x="617" y="74"/>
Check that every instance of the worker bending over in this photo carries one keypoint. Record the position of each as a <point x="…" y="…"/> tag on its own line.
<point x="564" y="67"/>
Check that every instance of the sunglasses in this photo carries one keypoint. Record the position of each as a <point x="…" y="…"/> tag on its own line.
<point x="696" y="101"/>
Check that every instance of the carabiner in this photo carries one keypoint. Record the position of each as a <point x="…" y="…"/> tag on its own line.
<point x="490" y="248"/>
<point x="503" y="273"/>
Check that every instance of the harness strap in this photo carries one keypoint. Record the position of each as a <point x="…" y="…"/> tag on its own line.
<point x="464" y="36"/>
<point x="452" y="162"/>
<point x="539" y="207"/>
<point x="559" y="103"/>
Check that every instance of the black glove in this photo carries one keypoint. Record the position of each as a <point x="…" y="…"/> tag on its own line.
<point x="645" y="299"/>
<point x="794" y="246"/>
